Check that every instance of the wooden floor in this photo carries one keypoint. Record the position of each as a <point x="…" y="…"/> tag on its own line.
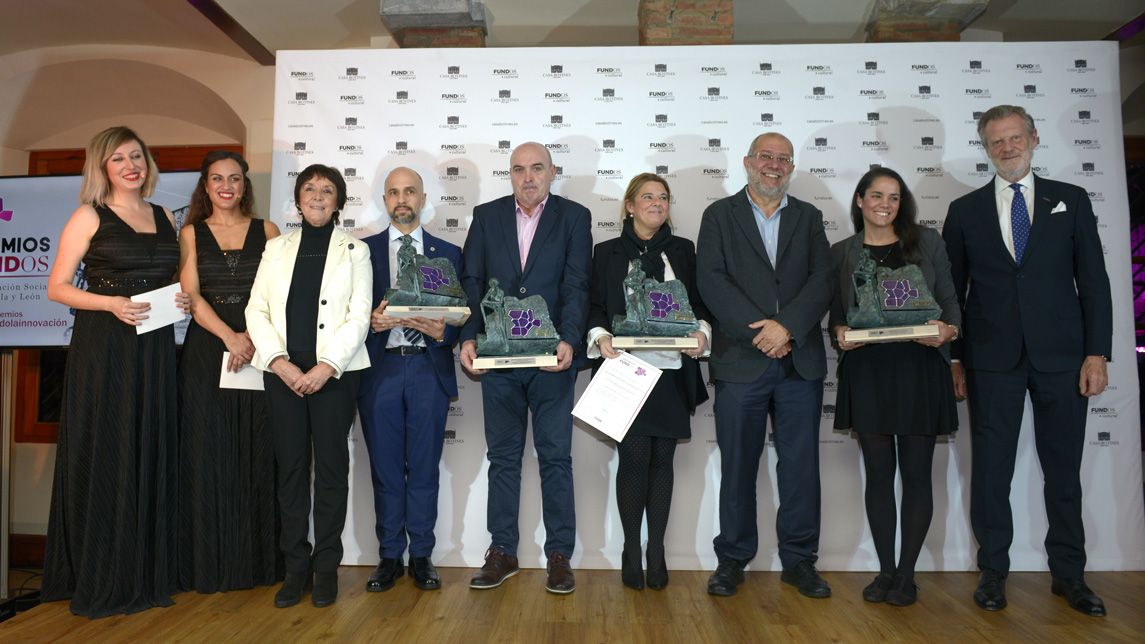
<point x="602" y="610"/>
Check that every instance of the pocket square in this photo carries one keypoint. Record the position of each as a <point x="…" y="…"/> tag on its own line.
<point x="1058" y="208"/>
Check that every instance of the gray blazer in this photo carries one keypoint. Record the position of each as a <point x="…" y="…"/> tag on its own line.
<point x="739" y="285"/>
<point x="935" y="268"/>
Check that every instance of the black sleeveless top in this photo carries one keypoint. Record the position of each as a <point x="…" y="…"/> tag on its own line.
<point x="120" y="261"/>
<point x="226" y="276"/>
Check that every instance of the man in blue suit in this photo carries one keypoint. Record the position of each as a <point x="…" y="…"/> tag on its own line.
<point x="404" y="396"/>
<point x="763" y="268"/>
<point x="1037" y="316"/>
<point x="533" y="243"/>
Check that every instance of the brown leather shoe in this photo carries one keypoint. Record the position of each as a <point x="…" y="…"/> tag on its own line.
<point x="498" y="567"/>
<point x="561" y="580"/>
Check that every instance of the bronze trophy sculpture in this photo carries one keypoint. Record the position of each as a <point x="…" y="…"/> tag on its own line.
<point x="891" y="304"/>
<point x="518" y="332"/>
<point x="426" y="287"/>
<point x="657" y="315"/>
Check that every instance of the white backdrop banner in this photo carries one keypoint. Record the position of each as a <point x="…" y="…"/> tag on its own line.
<point x="689" y="114"/>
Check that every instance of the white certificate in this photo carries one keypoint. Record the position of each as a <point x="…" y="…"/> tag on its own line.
<point x="247" y="377"/>
<point x="163" y="311"/>
<point x="616" y="394"/>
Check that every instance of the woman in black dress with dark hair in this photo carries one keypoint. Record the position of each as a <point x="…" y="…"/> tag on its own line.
<point x="110" y="546"/>
<point x="644" y="475"/>
<point x="897" y="396"/>
<point x="227" y="511"/>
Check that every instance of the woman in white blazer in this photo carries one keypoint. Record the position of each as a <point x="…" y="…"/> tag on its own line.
<point x="308" y="316"/>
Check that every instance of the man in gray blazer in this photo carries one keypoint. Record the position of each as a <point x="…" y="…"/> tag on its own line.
<point x="764" y="270"/>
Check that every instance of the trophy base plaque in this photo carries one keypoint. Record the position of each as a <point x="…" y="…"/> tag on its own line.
<point x="653" y="342"/>
<point x="892" y="333"/>
<point x="454" y="315"/>
<point x="514" y="362"/>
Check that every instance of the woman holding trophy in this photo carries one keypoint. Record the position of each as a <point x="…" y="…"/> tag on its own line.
<point x="644" y="476"/>
<point x="896" y="396"/>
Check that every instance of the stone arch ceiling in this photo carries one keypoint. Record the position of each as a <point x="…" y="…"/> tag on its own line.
<point x="61" y="96"/>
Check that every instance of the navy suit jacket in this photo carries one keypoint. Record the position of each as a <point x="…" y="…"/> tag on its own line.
<point x="1056" y="302"/>
<point x="441" y="353"/>
<point x="739" y="285"/>
<point x="557" y="268"/>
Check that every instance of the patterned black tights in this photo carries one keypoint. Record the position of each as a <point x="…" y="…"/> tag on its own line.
<point x="644" y="479"/>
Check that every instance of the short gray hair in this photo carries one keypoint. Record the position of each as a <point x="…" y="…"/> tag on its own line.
<point x="999" y="112"/>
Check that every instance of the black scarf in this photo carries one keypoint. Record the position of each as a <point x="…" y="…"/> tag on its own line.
<point x="647" y="251"/>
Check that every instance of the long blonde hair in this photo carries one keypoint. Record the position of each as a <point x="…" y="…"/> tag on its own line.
<point x="96" y="186"/>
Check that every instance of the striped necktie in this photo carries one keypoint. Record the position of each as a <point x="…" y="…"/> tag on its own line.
<point x="413" y="336"/>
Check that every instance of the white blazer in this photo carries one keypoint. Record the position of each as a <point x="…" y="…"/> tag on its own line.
<point x="344" y="302"/>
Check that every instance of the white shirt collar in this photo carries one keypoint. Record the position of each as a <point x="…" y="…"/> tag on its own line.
<point x="1027" y="183"/>
<point x="396" y="235"/>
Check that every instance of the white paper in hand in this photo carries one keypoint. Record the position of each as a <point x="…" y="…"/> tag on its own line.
<point x="616" y="394"/>
<point x="163" y="311"/>
<point x="246" y="378"/>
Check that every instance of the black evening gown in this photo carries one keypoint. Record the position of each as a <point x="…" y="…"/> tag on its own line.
<point x="227" y="507"/>
<point x="111" y="530"/>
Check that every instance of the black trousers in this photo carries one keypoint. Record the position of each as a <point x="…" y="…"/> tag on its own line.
<point x="315" y="425"/>
<point x="997" y="401"/>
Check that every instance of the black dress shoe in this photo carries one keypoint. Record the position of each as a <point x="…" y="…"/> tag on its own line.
<point x="724" y="580"/>
<point x="903" y="591"/>
<point x="657" y="575"/>
<point x="384" y="575"/>
<point x="292" y="588"/>
<point x="325" y="589"/>
<point x="424" y="573"/>
<point x="631" y="572"/>
<point x="805" y="578"/>
<point x="876" y="591"/>
<point x="1079" y="596"/>
<point x="991" y="591"/>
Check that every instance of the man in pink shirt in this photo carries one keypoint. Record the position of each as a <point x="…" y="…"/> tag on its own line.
<point x="533" y="243"/>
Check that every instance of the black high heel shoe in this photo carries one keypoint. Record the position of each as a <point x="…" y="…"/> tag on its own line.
<point x="630" y="571"/>
<point x="657" y="576"/>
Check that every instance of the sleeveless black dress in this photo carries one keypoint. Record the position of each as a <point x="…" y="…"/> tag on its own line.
<point x="227" y="507"/>
<point x="111" y="530"/>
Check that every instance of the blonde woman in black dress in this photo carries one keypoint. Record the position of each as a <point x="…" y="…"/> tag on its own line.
<point x="111" y="527"/>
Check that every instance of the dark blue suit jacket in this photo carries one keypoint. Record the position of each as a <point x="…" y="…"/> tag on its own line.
<point x="557" y="268"/>
<point x="1056" y="302"/>
<point x="441" y="353"/>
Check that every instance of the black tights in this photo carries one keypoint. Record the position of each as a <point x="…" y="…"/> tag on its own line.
<point x="644" y="479"/>
<point x="915" y="456"/>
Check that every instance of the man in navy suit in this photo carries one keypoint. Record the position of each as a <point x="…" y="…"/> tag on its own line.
<point x="1037" y="316"/>
<point x="534" y="243"/>
<point x="404" y="396"/>
<point x="763" y="267"/>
